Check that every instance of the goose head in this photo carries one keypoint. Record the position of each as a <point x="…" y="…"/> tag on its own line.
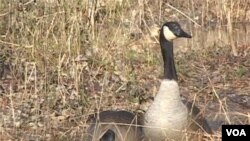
<point x="173" y="30"/>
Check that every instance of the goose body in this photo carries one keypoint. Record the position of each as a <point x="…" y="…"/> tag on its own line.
<point x="167" y="115"/>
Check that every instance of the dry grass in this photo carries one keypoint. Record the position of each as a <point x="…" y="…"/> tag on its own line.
<point x="63" y="60"/>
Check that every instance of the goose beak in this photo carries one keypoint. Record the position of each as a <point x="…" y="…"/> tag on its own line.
<point x="185" y="35"/>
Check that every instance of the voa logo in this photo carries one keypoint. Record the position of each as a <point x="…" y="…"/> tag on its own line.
<point x="236" y="132"/>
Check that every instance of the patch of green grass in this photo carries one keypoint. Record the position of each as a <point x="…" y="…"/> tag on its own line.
<point x="241" y="71"/>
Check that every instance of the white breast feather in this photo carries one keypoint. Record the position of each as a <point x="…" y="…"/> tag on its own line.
<point x="166" y="112"/>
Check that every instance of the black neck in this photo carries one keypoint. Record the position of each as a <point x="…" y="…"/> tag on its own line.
<point x="168" y="58"/>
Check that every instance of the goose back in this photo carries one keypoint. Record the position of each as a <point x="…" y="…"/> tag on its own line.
<point x="196" y="120"/>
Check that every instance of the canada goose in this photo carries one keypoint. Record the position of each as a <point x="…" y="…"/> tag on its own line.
<point x="168" y="114"/>
<point x="115" y="126"/>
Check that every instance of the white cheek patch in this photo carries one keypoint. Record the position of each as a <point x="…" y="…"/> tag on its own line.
<point x="168" y="34"/>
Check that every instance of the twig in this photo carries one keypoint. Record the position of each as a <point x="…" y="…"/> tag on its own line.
<point x="13" y="44"/>
<point x="217" y="96"/>
<point x="184" y="14"/>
